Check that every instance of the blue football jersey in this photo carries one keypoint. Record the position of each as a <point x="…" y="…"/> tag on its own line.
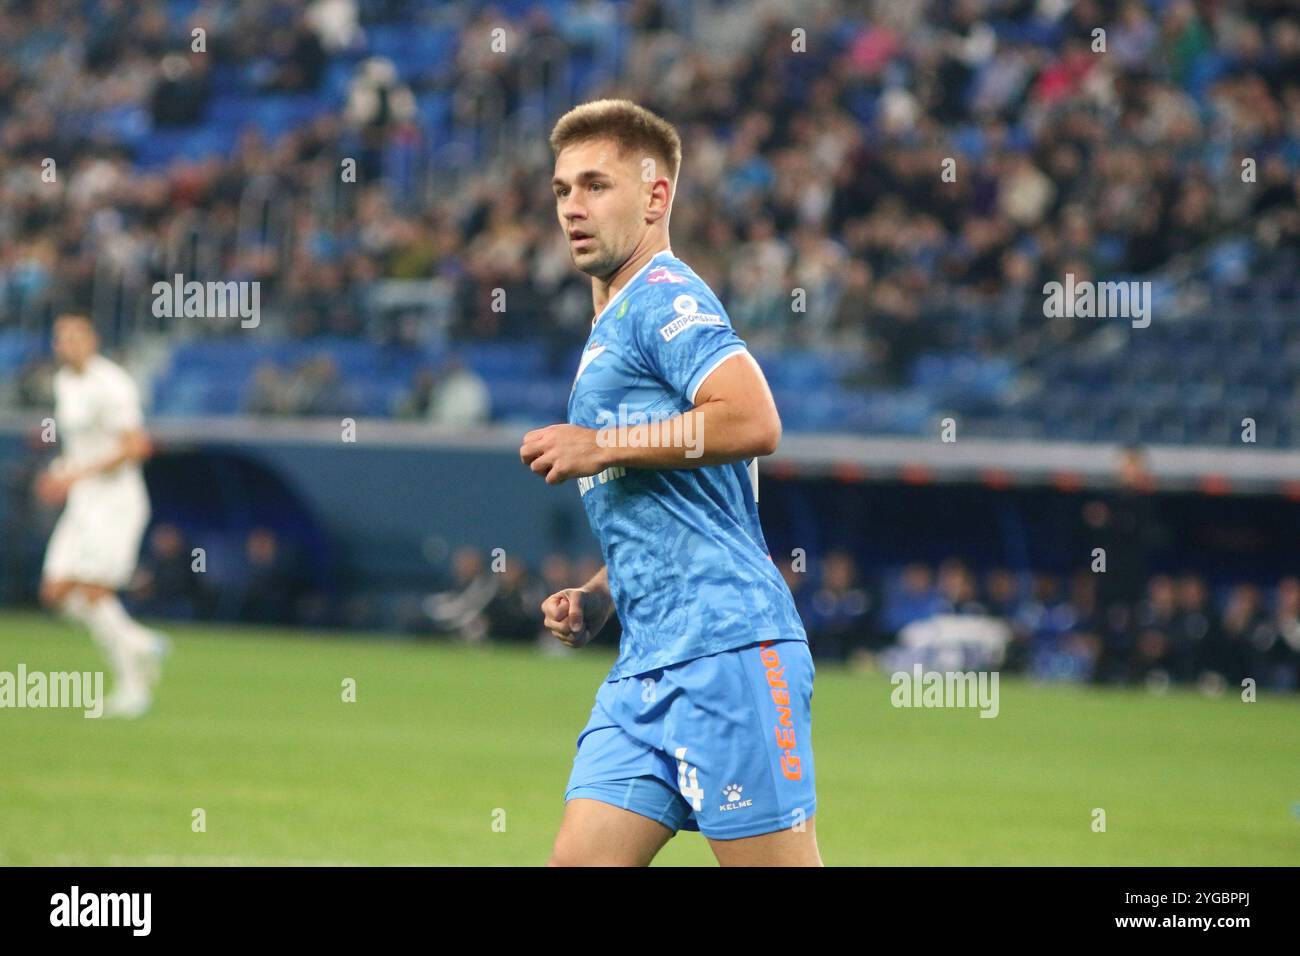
<point x="689" y="569"/>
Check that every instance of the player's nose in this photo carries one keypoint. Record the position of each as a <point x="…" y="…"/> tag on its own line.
<point x="571" y="208"/>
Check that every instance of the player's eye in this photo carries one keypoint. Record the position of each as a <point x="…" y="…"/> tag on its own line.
<point x="597" y="185"/>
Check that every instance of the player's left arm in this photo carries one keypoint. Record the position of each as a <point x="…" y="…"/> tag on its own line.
<point x="734" y="418"/>
<point x="687" y="343"/>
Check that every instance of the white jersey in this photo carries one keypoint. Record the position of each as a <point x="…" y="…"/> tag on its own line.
<point x="97" y="538"/>
<point x="92" y="410"/>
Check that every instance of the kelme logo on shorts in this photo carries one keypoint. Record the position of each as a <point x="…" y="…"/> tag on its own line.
<point x="733" y="793"/>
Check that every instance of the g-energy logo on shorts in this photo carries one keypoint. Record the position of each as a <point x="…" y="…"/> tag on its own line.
<point x="688" y="314"/>
<point x="791" y="768"/>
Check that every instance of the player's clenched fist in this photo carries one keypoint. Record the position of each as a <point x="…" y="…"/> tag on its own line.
<point x="575" y="615"/>
<point x="560" y="452"/>
<point x="52" y="487"/>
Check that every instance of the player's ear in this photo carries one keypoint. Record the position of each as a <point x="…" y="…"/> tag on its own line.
<point x="660" y="198"/>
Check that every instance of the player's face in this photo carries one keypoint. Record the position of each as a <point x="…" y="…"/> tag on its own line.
<point x="599" y="200"/>
<point x="74" y="341"/>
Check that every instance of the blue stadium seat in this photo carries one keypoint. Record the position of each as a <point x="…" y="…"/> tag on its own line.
<point x="504" y="360"/>
<point x="539" y="401"/>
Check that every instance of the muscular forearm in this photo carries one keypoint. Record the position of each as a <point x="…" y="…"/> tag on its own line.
<point x="599" y="584"/>
<point x="711" y="433"/>
<point x="734" y="419"/>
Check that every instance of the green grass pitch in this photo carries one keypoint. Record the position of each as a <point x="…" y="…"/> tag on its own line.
<point x="250" y="726"/>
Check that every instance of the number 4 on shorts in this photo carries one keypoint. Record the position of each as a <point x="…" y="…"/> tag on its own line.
<point x="688" y="780"/>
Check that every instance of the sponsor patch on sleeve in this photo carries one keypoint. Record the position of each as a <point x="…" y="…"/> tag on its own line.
<point x="687" y="315"/>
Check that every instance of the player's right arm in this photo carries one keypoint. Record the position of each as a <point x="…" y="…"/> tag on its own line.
<point x="576" y="615"/>
<point x="53" y="484"/>
<point x="133" y="446"/>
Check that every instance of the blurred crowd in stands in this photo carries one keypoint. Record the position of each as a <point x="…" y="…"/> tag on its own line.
<point x="449" y="394"/>
<point x="818" y="169"/>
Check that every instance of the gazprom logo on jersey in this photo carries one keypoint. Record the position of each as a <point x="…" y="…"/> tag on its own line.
<point x="179" y="299"/>
<point x="688" y="314"/>
<point x="636" y="429"/>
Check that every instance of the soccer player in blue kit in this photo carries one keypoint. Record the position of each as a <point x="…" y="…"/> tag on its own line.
<point x="704" y="722"/>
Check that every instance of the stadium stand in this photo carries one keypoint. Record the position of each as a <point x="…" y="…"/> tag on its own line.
<point x="823" y="169"/>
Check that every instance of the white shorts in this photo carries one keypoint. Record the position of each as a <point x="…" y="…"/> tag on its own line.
<point x="97" y="539"/>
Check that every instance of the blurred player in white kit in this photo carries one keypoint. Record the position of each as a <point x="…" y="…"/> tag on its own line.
<point x="93" y="550"/>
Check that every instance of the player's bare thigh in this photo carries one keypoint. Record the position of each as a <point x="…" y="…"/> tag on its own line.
<point x="781" y="848"/>
<point x="600" y="834"/>
<point x="54" y="593"/>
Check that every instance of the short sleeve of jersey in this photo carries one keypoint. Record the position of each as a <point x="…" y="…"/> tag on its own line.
<point x="121" y="409"/>
<point x="684" y="334"/>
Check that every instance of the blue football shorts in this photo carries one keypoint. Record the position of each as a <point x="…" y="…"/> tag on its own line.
<point x="720" y="744"/>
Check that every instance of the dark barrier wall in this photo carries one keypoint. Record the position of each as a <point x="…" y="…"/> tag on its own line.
<point x="391" y="510"/>
<point x="389" y="515"/>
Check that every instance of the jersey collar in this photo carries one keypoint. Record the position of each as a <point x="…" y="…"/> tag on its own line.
<point x="628" y="284"/>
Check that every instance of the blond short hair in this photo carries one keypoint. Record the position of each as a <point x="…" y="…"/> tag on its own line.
<point x="633" y="128"/>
